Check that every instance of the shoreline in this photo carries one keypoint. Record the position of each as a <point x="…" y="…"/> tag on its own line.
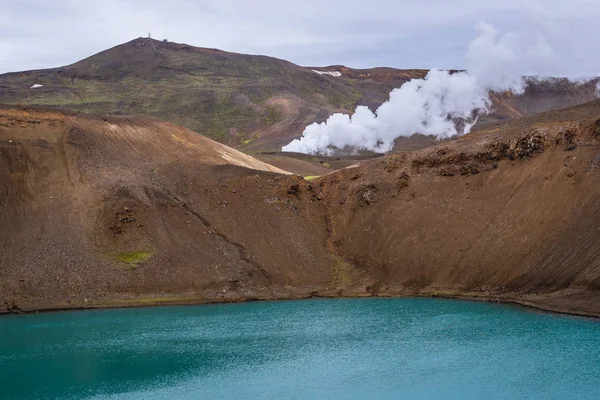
<point x="167" y="301"/>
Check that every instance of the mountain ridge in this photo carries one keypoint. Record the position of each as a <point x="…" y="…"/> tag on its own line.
<point x="255" y="103"/>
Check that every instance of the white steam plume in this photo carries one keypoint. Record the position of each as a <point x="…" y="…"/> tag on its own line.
<point x="434" y="105"/>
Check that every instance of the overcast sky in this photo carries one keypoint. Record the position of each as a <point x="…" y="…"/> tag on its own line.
<point x="397" y="33"/>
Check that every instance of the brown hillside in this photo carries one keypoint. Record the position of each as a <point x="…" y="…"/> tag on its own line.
<point x="96" y="214"/>
<point x="509" y="211"/>
<point x="118" y="208"/>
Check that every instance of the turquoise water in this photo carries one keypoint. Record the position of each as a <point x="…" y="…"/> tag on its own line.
<point x="313" y="349"/>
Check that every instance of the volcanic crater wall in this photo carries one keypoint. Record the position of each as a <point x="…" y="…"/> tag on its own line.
<point x="119" y="211"/>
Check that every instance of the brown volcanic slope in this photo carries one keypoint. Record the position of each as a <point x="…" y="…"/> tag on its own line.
<point x="83" y="201"/>
<point x="511" y="211"/>
<point x="256" y="103"/>
<point x="95" y="214"/>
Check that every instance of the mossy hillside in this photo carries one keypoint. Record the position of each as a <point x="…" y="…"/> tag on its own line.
<point x="211" y="92"/>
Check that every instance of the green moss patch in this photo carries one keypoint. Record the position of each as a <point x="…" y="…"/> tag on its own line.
<point x="135" y="257"/>
<point x="311" y="177"/>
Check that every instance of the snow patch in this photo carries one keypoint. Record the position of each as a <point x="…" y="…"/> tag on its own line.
<point x="35" y="86"/>
<point x="332" y="73"/>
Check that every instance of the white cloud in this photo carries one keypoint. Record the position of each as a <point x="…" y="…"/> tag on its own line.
<point x="42" y="34"/>
<point x="400" y="33"/>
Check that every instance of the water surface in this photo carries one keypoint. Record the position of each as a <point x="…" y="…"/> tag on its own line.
<point x="314" y="349"/>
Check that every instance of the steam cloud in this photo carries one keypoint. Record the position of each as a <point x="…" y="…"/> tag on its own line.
<point x="443" y="104"/>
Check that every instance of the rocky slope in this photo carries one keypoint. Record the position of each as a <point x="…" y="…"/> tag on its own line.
<point x="255" y="103"/>
<point x="511" y="211"/>
<point x="123" y="211"/>
<point x="117" y="208"/>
